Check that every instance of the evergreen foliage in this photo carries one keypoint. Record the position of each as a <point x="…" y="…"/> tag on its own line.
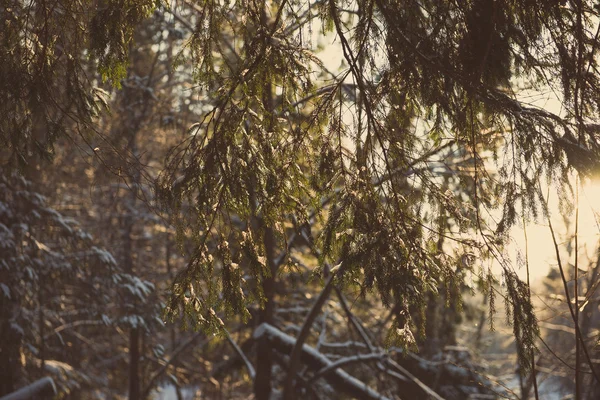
<point x="433" y="103"/>
<point x="382" y="173"/>
<point x="38" y="245"/>
<point x="47" y="87"/>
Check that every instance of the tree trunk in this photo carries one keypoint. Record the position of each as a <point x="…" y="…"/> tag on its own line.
<point x="10" y="347"/>
<point x="134" y="364"/>
<point x="264" y="357"/>
<point x="171" y="279"/>
<point x="134" y="334"/>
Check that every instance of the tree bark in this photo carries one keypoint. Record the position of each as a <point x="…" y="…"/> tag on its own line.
<point x="10" y="346"/>
<point x="264" y="357"/>
<point x="11" y="338"/>
<point x="134" y="364"/>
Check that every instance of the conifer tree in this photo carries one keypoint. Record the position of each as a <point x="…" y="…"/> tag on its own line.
<point x="384" y="171"/>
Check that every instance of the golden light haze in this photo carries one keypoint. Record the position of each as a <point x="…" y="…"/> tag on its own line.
<point x="540" y="246"/>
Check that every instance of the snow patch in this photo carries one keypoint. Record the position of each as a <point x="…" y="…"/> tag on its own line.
<point x="5" y="290"/>
<point x="17" y="328"/>
<point x="169" y="392"/>
<point x="104" y="256"/>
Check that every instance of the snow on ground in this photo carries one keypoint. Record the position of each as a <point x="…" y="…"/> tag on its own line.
<point x="168" y="392"/>
<point x="550" y="387"/>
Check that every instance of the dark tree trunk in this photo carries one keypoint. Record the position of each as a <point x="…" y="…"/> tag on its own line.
<point x="10" y="348"/>
<point x="128" y="248"/>
<point x="134" y="364"/>
<point x="11" y="338"/>
<point x="171" y="279"/>
<point x="134" y="334"/>
<point x="42" y="349"/>
<point x="264" y="357"/>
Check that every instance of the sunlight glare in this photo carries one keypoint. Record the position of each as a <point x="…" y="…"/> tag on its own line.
<point x="540" y="246"/>
<point x="589" y="213"/>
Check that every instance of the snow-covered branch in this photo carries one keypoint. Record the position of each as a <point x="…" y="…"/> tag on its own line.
<point x="41" y="389"/>
<point x="316" y="361"/>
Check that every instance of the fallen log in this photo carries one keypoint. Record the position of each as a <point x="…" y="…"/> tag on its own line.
<point x="336" y="377"/>
<point x="42" y="389"/>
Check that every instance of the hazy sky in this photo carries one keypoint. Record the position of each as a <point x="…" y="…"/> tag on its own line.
<point x="541" y="251"/>
<point x="542" y="254"/>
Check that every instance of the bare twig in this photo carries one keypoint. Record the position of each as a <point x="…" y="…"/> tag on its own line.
<point x="176" y="353"/>
<point x="241" y="354"/>
<point x="305" y="331"/>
